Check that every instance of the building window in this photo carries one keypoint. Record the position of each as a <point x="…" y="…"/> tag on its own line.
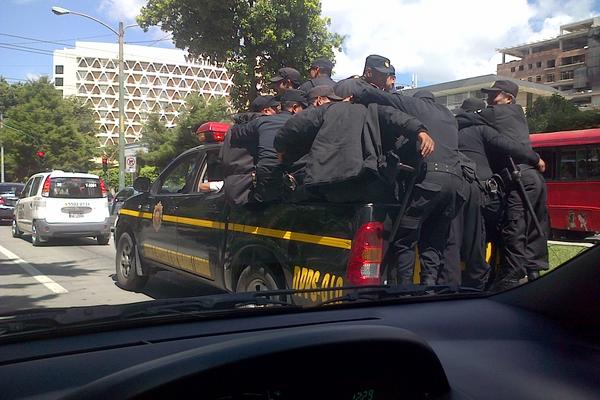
<point x="550" y="78"/>
<point x="572" y="60"/>
<point x="530" y="66"/>
<point x="58" y="81"/>
<point x="538" y="64"/>
<point x="550" y="63"/>
<point x="59" y="69"/>
<point x="512" y="69"/>
<point x="538" y="78"/>
<point x="566" y="75"/>
<point x="521" y="68"/>
<point x="530" y="79"/>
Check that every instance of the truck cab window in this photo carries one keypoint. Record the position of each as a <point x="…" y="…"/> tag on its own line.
<point x="180" y="177"/>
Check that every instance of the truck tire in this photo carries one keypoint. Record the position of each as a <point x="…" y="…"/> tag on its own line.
<point x="15" y="231"/>
<point x="256" y="278"/>
<point x="127" y="277"/>
<point x="103" y="239"/>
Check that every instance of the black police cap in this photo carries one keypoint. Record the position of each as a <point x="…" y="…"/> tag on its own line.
<point x="472" y="104"/>
<point x="322" y="91"/>
<point x="322" y="63"/>
<point x="503" y="86"/>
<point x="287" y="73"/>
<point x="262" y="102"/>
<point x="294" y="95"/>
<point x="380" y="64"/>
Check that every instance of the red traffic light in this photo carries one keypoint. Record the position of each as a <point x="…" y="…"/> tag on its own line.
<point x="41" y="154"/>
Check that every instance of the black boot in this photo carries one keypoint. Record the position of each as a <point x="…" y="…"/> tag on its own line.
<point x="532" y="275"/>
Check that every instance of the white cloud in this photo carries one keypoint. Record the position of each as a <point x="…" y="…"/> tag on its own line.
<point x="121" y="10"/>
<point x="443" y="40"/>
<point x="33" y="76"/>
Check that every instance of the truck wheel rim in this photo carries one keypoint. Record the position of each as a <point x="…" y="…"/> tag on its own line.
<point x="258" y="285"/>
<point x="125" y="263"/>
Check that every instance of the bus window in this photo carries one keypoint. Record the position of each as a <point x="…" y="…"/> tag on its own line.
<point x="588" y="164"/>
<point x="567" y="166"/>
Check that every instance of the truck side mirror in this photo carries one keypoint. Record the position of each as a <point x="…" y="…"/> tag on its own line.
<point x="142" y="184"/>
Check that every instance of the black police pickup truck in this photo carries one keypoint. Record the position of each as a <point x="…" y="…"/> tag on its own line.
<point x="173" y="225"/>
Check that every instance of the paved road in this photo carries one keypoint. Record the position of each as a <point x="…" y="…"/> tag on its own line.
<point x="74" y="272"/>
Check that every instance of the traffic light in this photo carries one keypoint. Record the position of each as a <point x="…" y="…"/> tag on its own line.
<point x="104" y="162"/>
<point x="41" y="154"/>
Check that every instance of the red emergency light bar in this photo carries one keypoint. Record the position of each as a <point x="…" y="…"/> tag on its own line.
<point x="212" y="131"/>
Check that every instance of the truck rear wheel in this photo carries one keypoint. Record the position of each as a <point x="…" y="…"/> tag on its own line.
<point x="257" y="278"/>
<point x="125" y="261"/>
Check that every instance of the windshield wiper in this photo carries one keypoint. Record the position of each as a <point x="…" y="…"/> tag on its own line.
<point x="50" y="319"/>
<point x="387" y="292"/>
<point x="204" y="306"/>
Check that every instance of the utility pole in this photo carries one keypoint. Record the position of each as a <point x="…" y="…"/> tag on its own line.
<point x="1" y="151"/>
<point x="121" y="110"/>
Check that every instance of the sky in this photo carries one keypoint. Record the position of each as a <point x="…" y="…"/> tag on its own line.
<point x="438" y="40"/>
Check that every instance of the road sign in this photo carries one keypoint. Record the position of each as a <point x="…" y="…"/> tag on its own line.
<point x="130" y="164"/>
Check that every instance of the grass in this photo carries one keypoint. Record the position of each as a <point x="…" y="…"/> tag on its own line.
<point x="560" y="254"/>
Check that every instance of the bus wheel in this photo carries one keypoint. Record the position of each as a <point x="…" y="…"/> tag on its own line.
<point x="127" y="276"/>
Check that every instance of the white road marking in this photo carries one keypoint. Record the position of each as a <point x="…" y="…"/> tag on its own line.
<point x="34" y="272"/>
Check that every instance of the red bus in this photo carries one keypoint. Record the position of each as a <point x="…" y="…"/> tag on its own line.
<point x="573" y="179"/>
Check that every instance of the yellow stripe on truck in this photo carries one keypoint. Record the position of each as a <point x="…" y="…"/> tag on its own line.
<point x="329" y="241"/>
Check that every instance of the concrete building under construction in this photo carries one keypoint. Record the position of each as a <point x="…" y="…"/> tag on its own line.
<point x="569" y="62"/>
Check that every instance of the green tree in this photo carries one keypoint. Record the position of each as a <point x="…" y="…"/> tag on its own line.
<point x="252" y="39"/>
<point x="555" y="113"/>
<point x="39" y="119"/>
<point x="165" y="144"/>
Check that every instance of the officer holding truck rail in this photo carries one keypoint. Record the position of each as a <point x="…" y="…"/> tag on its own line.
<point x="525" y="247"/>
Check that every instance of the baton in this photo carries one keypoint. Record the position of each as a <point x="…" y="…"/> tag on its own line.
<point x="516" y="177"/>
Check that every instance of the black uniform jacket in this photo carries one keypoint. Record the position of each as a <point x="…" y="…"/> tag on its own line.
<point x="440" y="122"/>
<point x="237" y="163"/>
<point x="343" y="139"/>
<point x="480" y="142"/>
<point x="510" y="121"/>
<point x="318" y="81"/>
<point x="261" y="132"/>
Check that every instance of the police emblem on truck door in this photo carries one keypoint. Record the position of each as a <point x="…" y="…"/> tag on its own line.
<point x="157" y="216"/>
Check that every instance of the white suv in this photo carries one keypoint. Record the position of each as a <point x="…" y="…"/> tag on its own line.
<point x="62" y="204"/>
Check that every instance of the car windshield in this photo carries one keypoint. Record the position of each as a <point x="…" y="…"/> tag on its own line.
<point x="242" y="156"/>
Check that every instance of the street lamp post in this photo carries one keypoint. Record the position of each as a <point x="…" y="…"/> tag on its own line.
<point x="120" y="34"/>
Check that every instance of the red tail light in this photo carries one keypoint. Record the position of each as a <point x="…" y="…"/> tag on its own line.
<point x="46" y="187"/>
<point x="2" y="202"/>
<point x="103" y="188"/>
<point x="364" y="265"/>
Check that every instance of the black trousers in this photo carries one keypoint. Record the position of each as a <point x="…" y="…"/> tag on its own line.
<point x="524" y="248"/>
<point x="426" y="223"/>
<point x="472" y="228"/>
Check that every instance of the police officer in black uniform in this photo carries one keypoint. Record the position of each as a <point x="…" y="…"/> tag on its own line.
<point x="286" y="78"/>
<point x="479" y="220"/>
<point x="261" y="133"/>
<point x="525" y="249"/>
<point x="348" y="173"/>
<point x="237" y="161"/>
<point x="320" y="74"/>
<point x="437" y="196"/>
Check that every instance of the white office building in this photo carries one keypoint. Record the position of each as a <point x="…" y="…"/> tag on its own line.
<point x="157" y="80"/>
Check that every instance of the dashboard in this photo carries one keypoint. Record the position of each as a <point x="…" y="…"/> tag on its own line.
<point x="518" y="344"/>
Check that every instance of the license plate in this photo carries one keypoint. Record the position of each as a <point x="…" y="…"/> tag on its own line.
<point x="75" y="215"/>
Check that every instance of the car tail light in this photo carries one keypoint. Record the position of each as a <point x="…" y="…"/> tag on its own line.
<point x="2" y="202"/>
<point x="103" y="188"/>
<point x="364" y="265"/>
<point x="46" y="187"/>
